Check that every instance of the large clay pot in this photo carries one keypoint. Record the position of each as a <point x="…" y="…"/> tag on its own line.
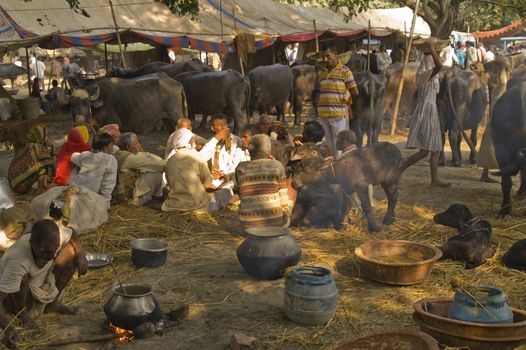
<point x="483" y="304"/>
<point x="267" y="252"/>
<point x="133" y="307"/>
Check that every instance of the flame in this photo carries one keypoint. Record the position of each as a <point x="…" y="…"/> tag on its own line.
<point x="127" y="334"/>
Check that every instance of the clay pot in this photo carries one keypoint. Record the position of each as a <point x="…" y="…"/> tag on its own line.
<point x="267" y="252"/>
<point x="133" y="308"/>
<point x="488" y="305"/>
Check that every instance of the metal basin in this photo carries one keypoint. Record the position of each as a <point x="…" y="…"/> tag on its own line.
<point x="149" y="252"/>
<point x="397" y="262"/>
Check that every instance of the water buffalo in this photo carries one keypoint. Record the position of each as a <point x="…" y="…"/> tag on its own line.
<point x="135" y="104"/>
<point x="304" y="82"/>
<point x="367" y="106"/>
<point x="357" y="63"/>
<point x="508" y="126"/>
<point x="515" y="257"/>
<point x="393" y="74"/>
<point x="377" y="164"/>
<point x="271" y="86"/>
<point x="461" y="106"/>
<point x="473" y="243"/>
<point x="11" y="71"/>
<point x="154" y="67"/>
<point x="217" y="92"/>
<point x="7" y="109"/>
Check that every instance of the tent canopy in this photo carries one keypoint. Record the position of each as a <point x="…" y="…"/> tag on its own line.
<point x="52" y="24"/>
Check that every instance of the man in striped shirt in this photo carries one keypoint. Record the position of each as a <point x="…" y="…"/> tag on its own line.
<point x="337" y="86"/>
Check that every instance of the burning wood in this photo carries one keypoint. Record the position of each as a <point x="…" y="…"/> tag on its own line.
<point x="127" y="335"/>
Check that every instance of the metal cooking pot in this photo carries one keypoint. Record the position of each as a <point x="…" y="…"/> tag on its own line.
<point x="133" y="308"/>
<point x="149" y="252"/>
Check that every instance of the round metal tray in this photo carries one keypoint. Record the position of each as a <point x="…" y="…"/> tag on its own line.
<point x="96" y="260"/>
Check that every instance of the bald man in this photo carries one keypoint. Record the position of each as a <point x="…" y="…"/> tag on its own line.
<point x="33" y="273"/>
<point x="183" y="123"/>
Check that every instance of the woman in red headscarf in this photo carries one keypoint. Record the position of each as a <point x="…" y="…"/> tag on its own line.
<point x="77" y="142"/>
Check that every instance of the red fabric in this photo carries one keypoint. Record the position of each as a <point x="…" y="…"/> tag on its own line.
<point x="75" y="143"/>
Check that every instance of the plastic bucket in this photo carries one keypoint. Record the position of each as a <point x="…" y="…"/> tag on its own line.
<point x="310" y="295"/>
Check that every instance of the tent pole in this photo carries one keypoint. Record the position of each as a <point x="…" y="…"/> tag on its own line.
<point x="118" y="35"/>
<point x="28" y="73"/>
<point x="51" y="70"/>
<point x="369" y="47"/>
<point x="404" y="67"/>
<point x="106" y="57"/>
<point x="315" y="36"/>
<point x="237" y="42"/>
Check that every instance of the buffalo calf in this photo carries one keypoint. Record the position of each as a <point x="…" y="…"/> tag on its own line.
<point x="515" y="257"/>
<point x="473" y="243"/>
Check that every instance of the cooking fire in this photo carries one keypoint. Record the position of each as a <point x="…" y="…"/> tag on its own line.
<point x="127" y="335"/>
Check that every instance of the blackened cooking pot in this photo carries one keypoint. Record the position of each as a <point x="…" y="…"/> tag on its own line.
<point x="149" y="252"/>
<point x="133" y="306"/>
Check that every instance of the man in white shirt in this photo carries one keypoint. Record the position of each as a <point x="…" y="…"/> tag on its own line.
<point x="383" y="59"/>
<point x="448" y="56"/>
<point x="489" y="56"/>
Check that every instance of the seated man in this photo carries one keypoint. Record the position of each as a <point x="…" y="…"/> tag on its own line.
<point x="313" y="132"/>
<point x="248" y="131"/>
<point x="262" y="187"/>
<point x="189" y="178"/>
<point x="223" y="153"/>
<point x="264" y="124"/>
<point x="56" y="96"/>
<point x="140" y="176"/>
<point x="182" y="123"/>
<point x="33" y="273"/>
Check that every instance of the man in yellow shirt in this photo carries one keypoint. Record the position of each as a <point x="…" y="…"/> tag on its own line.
<point x="337" y="86"/>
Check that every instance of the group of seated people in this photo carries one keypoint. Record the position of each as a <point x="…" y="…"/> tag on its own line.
<point x="196" y="175"/>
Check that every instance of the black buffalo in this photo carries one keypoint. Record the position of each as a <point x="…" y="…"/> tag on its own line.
<point x="270" y="86"/>
<point x="210" y="93"/>
<point x="473" y="243"/>
<point x="304" y="82"/>
<point x="137" y="104"/>
<point x="11" y="71"/>
<point x="515" y="257"/>
<point x="171" y="69"/>
<point x="367" y="107"/>
<point x="508" y="126"/>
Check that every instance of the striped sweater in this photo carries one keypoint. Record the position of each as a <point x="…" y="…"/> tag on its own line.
<point x="263" y="193"/>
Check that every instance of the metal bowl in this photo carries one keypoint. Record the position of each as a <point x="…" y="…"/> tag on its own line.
<point x="96" y="260"/>
<point x="149" y="252"/>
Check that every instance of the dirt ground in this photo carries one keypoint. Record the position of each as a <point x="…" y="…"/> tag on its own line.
<point x="202" y="269"/>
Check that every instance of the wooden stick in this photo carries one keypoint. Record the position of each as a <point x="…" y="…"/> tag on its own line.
<point x="87" y="339"/>
<point x="118" y="35"/>
<point x="404" y="67"/>
<point x="369" y="47"/>
<point x="316" y="36"/>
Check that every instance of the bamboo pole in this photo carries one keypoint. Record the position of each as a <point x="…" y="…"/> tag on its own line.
<point x="118" y="35"/>
<point x="316" y="36"/>
<point x="106" y="57"/>
<point x="404" y="67"/>
<point x="51" y="70"/>
<point x="28" y="73"/>
<point x="369" y="46"/>
<point x="237" y="41"/>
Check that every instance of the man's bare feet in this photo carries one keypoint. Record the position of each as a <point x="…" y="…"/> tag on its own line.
<point x="59" y="308"/>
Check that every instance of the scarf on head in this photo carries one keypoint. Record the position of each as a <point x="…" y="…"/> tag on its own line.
<point x="110" y="129"/>
<point x="76" y="142"/>
<point x="182" y="138"/>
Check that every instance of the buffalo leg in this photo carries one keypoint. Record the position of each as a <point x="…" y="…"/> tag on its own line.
<point x="455" y="147"/>
<point x="391" y="191"/>
<point x="473" y="139"/>
<point x="363" y="194"/>
<point x="298" y="105"/>
<point x="341" y="220"/>
<point x="506" y="200"/>
<point x="521" y="193"/>
<point x="357" y="128"/>
<point x="442" y="157"/>
<point x="202" y="125"/>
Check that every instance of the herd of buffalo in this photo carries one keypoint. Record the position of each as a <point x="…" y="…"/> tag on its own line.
<point x="161" y="93"/>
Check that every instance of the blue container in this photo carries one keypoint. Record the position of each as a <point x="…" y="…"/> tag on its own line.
<point x="310" y="295"/>
<point x="491" y="306"/>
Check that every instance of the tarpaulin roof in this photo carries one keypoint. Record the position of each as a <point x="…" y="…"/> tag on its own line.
<point x="517" y="25"/>
<point x="52" y="24"/>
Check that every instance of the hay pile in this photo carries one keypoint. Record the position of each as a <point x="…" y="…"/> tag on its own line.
<point x="363" y="306"/>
